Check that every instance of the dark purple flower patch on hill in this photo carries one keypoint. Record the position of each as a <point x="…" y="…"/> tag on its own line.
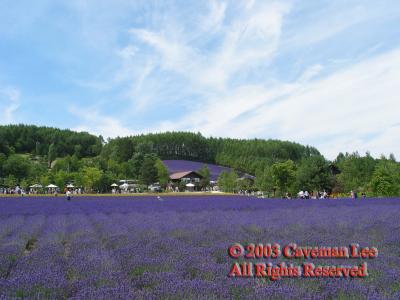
<point x="186" y="165"/>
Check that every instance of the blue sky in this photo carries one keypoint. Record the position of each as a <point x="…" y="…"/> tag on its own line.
<point x="323" y="73"/>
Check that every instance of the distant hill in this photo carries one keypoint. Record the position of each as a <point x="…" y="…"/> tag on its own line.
<point x="241" y="154"/>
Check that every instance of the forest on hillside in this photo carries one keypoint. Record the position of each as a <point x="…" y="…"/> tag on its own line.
<point x="30" y="154"/>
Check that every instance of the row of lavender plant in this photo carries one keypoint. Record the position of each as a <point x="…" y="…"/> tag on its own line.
<point x="143" y="248"/>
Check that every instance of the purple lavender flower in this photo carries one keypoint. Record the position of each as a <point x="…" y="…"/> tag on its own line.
<point x="136" y="247"/>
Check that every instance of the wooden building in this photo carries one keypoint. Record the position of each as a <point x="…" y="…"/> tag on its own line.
<point x="187" y="177"/>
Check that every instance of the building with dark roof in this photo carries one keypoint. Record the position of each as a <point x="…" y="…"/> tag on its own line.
<point x="187" y="176"/>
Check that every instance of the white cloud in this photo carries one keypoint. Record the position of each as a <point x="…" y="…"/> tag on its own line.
<point x="341" y="112"/>
<point x="213" y="22"/>
<point x="385" y="143"/>
<point x="175" y="54"/>
<point x="9" y="103"/>
<point x="251" y="38"/>
<point x="310" y="72"/>
<point x="95" y="122"/>
<point x="127" y="52"/>
<point x="324" y="24"/>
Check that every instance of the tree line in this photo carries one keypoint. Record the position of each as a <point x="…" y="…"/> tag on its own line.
<point x="348" y="172"/>
<point x="31" y="154"/>
<point x="42" y="140"/>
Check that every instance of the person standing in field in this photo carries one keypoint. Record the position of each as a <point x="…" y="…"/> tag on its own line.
<point x="68" y="194"/>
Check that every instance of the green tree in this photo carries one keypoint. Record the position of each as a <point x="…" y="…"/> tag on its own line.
<point x="37" y="170"/>
<point x="61" y="179"/>
<point x="104" y="184"/>
<point x="283" y="174"/>
<point x="125" y="170"/>
<point x="355" y="171"/>
<point x="386" y="179"/>
<point x="18" y="166"/>
<point x="223" y="180"/>
<point x="148" y="171"/>
<point x="37" y="148"/>
<point x="68" y="164"/>
<point x="264" y="180"/>
<point x="244" y="184"/>
<point x="52" y="154"/>
<point x="144" y="148"/>
<point x="206" y="173"/>
<point x="44" y="180"/>
<point x="135" y="165"/>
<point x="11" y="181"/>
<point x="78" y="151"/>
<point x="91" y="177"/>
<point x="114" y="167"/>
<point x="162" y="173"/>
<point x="228" y="182"/>
<point x="24" y="184"/>
<point x="78" y="179"/>
<point x="313" y="174"/>
<point x="3" y="159"/>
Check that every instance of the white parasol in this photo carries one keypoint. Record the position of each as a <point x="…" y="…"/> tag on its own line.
<point x="36" y="186"/>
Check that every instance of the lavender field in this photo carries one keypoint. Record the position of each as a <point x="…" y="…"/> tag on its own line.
<point x="143" y="248"/>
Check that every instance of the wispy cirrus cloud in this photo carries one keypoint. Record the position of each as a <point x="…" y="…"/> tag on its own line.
<point x="249" y="39"/>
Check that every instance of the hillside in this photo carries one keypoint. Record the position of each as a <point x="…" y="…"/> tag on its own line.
<point x="243" y="155"/>
<point x="27" y="152"/>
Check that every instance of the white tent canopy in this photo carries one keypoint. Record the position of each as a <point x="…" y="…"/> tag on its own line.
<point x="36" y="186"/>
<point x="190" y="185"/>
<point x="52" y="186"/>
<point x="70" y="185"/>
<point x="114" y="185"/>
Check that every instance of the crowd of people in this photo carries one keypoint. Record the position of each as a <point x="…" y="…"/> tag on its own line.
<point x="300" y="195"/>
<point x="77" y="191"/>
<point x="312" y="195"/>
<point x="12" y="191"/>
<point x="354" y="195"/>
<point x="20" y="191"/>
<point x="251" y="193"/>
